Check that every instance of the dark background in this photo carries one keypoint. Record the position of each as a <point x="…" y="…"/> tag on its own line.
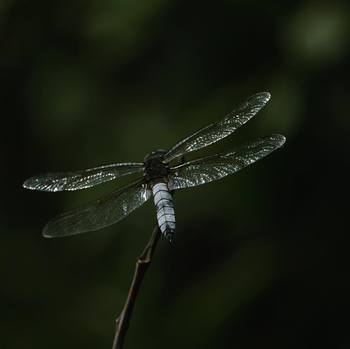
<point x="260" y="259"/>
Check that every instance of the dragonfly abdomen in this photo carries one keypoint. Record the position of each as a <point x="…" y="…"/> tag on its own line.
<point x="165" y="209"/>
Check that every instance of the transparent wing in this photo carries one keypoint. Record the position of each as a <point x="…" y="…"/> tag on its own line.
<point x="214" y="167"/>
<point x="220" y="129"/>
<point x="100" y="213"/>
<point x="81" y="179"/>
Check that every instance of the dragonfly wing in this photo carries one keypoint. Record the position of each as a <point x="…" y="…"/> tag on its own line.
<point x="215" y="167"/>
<point x="81" y="179"/>
<point x="220" y="129"/>
<point x="100" y="213"/>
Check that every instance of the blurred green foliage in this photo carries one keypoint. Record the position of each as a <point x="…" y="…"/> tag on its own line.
<point x="259" y="259"/>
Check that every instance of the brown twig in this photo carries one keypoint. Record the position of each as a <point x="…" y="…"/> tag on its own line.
<point x="142" y="264"/>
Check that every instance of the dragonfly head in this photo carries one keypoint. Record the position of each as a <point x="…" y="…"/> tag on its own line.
<point x="157" y="154"/>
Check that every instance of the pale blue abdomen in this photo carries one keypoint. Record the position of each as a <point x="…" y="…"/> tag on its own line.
<point x="165" y="209"/>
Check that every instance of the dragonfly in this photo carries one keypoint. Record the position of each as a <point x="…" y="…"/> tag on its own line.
<point x="159" y="176"/>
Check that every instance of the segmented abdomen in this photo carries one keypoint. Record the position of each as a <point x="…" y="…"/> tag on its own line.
<point x="165" y="209"/>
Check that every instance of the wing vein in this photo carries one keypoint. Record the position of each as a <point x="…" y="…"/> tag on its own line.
<point x="67" y="181"/>
<point x="100" y="213"/>
<point x="220" y="129"/>
<point x="217" y="166"/>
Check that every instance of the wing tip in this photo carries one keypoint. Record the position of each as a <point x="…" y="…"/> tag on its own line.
<point x="46" y="233"/>
<point x="40" y="183"/>
<point x="28" y="184"/>
<point x="50" y="232"/>
<point x="263" y="97"/>
<point x="257" y="101"/>
<point x="47" y="236"/>
<point x="33" y="183"/>
<point x="279" y="139"/>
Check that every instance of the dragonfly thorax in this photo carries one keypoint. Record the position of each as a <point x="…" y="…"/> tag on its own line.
<point x="154" y="165"/>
